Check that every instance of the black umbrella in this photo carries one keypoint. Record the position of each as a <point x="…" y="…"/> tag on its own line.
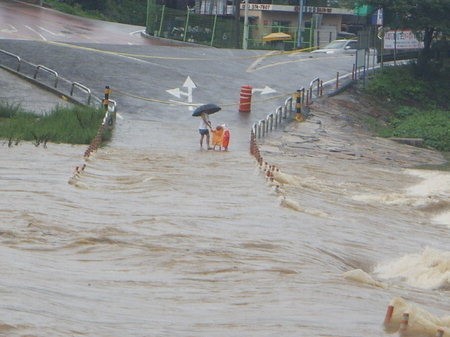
<point x="209" y="109"/>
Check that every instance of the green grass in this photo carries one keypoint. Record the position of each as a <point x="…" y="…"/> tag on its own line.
<point x="76" y="9"/>
<point x="419" y="107"/>
<point x="431" y="125"/>
<point x="75" y="125"/>
<point x="131" y="12"/>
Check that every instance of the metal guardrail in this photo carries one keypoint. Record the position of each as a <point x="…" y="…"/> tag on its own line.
<point x="36" y="69"/>
<point x="311" y="85"/>
<point x="303" y="98"/>
<point x="83" y="88"/>
<point x="273" y="120"/>
<point x="48" y="70"/>
<point x="14" y="56"/>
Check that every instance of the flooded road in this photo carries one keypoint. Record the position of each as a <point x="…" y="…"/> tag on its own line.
<point x="159" y="238"/>
<point x="19" y="20"/>
<point x="153" y="239"/>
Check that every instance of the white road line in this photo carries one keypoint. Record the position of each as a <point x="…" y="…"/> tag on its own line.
<point x="34" y="31"/>
<point x="252" y="67"/>
<point x="50" y="32"/>
<point x="11" y="30"/>
<point x="135" y="32"/>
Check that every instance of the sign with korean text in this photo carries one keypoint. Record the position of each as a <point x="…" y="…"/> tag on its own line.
<point x="401" y="39"/>
<point x="287" y="8"/>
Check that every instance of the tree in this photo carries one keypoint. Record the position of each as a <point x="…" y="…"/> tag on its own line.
<point x="427" y="18"/>
<point x="317" y="3"/>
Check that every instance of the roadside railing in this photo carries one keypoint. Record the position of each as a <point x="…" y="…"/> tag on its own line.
<point x="48" y="70"/>
<point x="273" y="120"/>
<point x="78" y="93"/>
<point x="17" y="58"/>
<point x="51" y="79"/>
<point x="299" y="111"/>
<point x="82" y="88"/>
<point x="303" y="100"/>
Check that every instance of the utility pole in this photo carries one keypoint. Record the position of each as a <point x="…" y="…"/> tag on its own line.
<point x="300" y="23"/>
<point x="237" y="18"/>
<point x="245" y="39"/>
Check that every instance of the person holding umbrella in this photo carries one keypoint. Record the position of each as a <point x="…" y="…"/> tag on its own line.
<point x="203" y="129"/>
<point x="204" y="111"/>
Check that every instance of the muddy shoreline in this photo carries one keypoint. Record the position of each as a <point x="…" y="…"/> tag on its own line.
<point x="336" y="129"/>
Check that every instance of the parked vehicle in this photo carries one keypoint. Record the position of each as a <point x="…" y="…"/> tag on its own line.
<point x="338" y="47"/>
<point x="346" y="36"/>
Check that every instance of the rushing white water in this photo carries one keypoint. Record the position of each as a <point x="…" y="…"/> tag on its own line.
<point x="162" y="239"/>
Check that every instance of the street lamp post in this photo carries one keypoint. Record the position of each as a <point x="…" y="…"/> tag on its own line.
<point x="300" y="23"/>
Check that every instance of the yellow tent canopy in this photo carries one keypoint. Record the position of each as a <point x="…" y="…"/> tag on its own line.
<point x="277" y="37"/>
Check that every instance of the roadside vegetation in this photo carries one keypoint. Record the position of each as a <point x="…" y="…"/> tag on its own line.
<point x="132" y="12"/>
<point x="418" y="106"/>
<point x="74" y="125"/>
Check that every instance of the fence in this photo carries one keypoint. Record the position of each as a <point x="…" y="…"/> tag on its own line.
<point x="215" y="30"/>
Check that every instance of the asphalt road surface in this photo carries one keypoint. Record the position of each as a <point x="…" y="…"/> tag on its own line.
<point x="145" y="75"/>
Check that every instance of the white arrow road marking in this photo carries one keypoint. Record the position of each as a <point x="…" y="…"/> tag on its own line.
<point x="190" y="85"/>
<point x="175" y="92"/>
<point x="265" y="90"/>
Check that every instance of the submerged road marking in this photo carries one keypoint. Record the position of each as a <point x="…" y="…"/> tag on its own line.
<point x="35" y="31"/>
<point x="190" y="85"/>
<point x="11" y="29"/>
<point x="50" y="32"/>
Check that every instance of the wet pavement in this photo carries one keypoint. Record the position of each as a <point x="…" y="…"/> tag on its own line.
<point x="16" y="90"/>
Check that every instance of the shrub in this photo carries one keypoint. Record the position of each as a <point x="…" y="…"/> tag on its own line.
<point x="398" y="85"/>
<point x="420" y="106"/>
<point x="75" y="125"/>
<point x="433" y="126"/>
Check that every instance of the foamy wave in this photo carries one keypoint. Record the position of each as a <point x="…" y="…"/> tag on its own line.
<point x="443" y="218"/>
<point x="431" y="195"/>
<point x="428" y="270"/>
<point x="292" y="204"/>
<point x="388" y="198"/>
<point x="284" y="178"/>
<point x="420" y="322"/>
<point x="434" y="183"/>
<point x="360" y="276"/>
<point x="434" y="187"/>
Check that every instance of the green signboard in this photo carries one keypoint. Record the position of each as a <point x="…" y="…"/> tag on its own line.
<point x="363" y="10"/>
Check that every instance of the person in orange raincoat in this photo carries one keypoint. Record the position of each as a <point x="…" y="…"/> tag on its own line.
<point x="217" y="136"/>
<point x="225" y="138"/>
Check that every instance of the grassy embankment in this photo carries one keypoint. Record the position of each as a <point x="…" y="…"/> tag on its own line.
<point x="419" y="108"/>
<point x="74" y="125"/>
<point x="132" y="12"/>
